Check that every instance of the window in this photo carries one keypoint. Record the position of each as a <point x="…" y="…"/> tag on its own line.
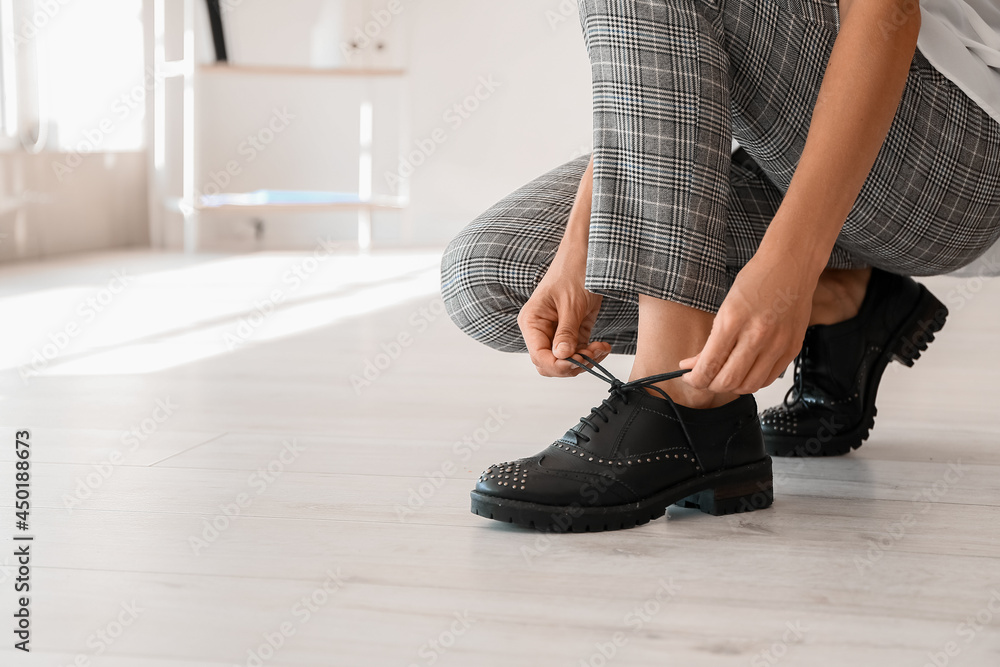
<point x="72" y="74"/>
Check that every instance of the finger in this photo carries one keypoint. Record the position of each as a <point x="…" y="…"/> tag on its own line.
<point x="539" y="345"/>
<point x="597" y="348"/>
<point x="759" y="375"/>
<point x="739" y="362"/>
<point x="565" y="341"/>
<point x="598" y="351"/>
<point x="713" y="357"/>
<point x="587" y="325"/>
<point x="778" y="370"/>
<point x="689" y="362"/>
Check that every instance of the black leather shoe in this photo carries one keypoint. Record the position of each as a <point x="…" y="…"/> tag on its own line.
<point x="830" y="408"/>
<point x="631" y="458"/>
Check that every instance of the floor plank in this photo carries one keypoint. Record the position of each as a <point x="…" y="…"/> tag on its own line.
<point x="357" y="492"/>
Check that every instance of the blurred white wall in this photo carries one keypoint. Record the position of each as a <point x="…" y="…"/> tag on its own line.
<point x="538" y="117"/>
<point x="524" y="58"/>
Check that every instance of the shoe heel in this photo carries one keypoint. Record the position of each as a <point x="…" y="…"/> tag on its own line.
<point x="754" y="491"/>
<point x="930" y="318"/>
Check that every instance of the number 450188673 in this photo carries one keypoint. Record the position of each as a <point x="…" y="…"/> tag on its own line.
<point x="22" y="478"/>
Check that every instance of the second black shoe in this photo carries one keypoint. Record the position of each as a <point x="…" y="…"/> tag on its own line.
<point x="830" y="408"/>
<point x="631" y="458"/>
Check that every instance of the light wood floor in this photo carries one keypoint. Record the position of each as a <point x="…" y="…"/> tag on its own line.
<point x="883" y="557"/>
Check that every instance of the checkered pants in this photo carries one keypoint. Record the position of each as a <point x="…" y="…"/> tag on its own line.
<point x="675" y="214"/>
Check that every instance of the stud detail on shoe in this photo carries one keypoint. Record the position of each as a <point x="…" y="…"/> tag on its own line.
<point x="629" y="459"/>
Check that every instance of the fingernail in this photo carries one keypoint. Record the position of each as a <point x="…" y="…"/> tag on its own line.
<point x="563" y="350"/>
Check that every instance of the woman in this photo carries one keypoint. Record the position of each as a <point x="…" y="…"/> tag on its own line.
<point x="863" y="160"/>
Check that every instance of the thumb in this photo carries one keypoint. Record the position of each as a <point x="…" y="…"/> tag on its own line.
<point x="564" y="343"/>
<point x="690" y="362"/>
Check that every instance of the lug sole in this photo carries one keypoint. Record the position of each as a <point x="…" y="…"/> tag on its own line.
<point x="909" y="341"/>
<point x="731" y="491"/>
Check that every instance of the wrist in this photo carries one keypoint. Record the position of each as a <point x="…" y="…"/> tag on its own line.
<point x="570" y="259"/>
<point x="805" y="247"/>
<point x="803" y="256"/>
<point x="573" y="245"/>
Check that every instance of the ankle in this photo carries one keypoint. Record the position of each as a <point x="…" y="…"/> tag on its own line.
<point x="697" y="399"/>
<point x="669" y="332"/>
<point x="839" y="295"/>
<point x="682" y="393"/>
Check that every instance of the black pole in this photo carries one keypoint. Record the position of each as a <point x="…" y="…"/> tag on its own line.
<point x="218" y="36"/>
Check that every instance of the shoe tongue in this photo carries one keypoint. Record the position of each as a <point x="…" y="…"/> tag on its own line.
<point x="570" y="436"/>
<point x="598" y="439"/>
<point x="830" y="361"/>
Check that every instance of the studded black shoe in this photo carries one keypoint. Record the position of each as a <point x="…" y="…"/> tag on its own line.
<point x="631" y="458"/>
<point x="830" y="408"/>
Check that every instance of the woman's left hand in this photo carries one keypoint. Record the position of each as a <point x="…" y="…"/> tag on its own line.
<point x="759" y="329"/>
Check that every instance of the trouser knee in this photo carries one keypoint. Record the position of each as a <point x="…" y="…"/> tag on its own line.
<point x="476" y="296"/>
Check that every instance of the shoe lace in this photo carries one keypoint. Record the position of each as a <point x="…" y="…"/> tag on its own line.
<point x="798" y="387"/>
<point x="621" y="390"/>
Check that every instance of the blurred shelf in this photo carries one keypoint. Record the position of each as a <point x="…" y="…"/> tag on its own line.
<point x="281" y="70"/>
<point x="297" y="201"/>
<point x="169" y="169"/>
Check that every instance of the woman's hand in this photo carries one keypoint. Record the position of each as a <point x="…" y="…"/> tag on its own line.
<point x="557" y="320"/>
<point x="760" y="326"/>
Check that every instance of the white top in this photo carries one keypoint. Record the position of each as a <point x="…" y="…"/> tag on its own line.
<point x="961" y="38"/>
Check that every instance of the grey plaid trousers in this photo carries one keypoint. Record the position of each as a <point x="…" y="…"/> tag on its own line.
<point x="676" y="214"/>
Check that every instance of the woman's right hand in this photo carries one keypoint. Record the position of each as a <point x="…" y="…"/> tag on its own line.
<point x="557" y="320"/>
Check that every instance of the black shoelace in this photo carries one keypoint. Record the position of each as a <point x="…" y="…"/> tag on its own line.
<point x="798" y="387"/>
<point x="621" y="390"/>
